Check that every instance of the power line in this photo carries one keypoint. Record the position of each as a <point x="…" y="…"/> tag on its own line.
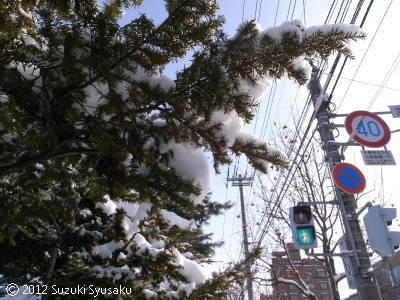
<point x="331" y="10"/>
<point x="259" y="10"/>
<point x="244" y="3"/>
<point x="295" y="158"/>
<point x="288" y="11"/>
<point x="355" y="15"/>
<point x="366" y="82"/>
<point x="276" y="13"/>
<point x="294" y="7"/>
<point x="304" y="13"/>
<point x="365" y="53"/>
<point x="388" y="75"/>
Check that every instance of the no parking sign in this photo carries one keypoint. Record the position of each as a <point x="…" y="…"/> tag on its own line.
<point x="348" y="178"/>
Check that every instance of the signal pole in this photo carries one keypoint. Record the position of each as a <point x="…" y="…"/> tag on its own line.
<point x="241" y="182"/>
<point x="367" y="288"/>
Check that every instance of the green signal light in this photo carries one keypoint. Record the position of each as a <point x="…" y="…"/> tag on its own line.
<point x="305" y="235"/>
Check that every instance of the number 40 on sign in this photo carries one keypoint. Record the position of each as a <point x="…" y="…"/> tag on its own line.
<point x="370" y="130"/>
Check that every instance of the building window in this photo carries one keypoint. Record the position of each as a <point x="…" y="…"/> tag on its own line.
<point x="293" y="297"/>
<point x="311" y="285"/>
<point x="321" y="273"/>
<point x="322" y="284"/>
<point x="325" y="297"/>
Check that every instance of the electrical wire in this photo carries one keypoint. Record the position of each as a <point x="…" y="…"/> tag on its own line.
<point x="276" y="13"/>
<point x="297" y="153"/>
<point x="244" y="3"/>
<point x="304" y="13"/>
<point x="365" y="53"/>
<point x="294" y="8"/>
<point x="388" y="75"/>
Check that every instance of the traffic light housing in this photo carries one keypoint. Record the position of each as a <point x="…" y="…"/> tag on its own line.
<point x="303" y="229"/>
<point x="381" y="239"/>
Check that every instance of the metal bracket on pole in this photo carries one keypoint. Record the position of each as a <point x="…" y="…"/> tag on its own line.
<point x="359" y="212"/>
<point x="350" y="253"/>
<point x="394" y="131"/>
<point x="341" y="144"/>
<point x="308" y="253"/>
<point x="333" y="115"/>
<point x="317" y="202"/>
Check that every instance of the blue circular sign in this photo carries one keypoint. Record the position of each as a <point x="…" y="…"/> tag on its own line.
<point x="348" y="178"/>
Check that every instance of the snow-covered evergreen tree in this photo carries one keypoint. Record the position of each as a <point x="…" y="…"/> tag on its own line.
<point x="103" y="175"/>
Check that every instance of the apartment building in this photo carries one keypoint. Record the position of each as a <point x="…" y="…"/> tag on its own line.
<point x="387" y="274"/>
<point x="311" y="271"/>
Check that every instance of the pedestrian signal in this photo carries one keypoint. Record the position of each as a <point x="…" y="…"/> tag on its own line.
<point x="303" y="229"/>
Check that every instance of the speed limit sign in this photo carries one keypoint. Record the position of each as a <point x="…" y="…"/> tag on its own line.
<point x="370" y="129"/>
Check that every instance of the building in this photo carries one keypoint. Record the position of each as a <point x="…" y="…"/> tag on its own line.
<point x="387" y="274"/>
<point x="353" y="297"/>
<point x="312" y="272"/>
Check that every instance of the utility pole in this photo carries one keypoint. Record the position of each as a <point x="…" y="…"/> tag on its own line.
<point x="241" y="182"/>
<point x="366" y="286"/>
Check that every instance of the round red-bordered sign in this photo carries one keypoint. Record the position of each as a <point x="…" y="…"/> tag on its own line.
<point x="372" y="130"/>
<point x="348" y="178"/>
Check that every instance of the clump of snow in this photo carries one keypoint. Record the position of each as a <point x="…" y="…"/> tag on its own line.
<point x="255" y="90"/>
<point x="108" y="207"/>
<point x="301" y="63"/>
<point x="232" y="129"/>
<point x="155" y="80"/>
<point x="349" y="28"/>
<point x="28" y="71"/>
<point x="134" y="213"/>
<point x="149" y="294"/>
<point x="85" y="212"/>
<point x="190" y="164"/>
<point x="188" y="288"/>
<point x="231" y="125"/>
<point x="192" y="271"/>
<point x="95" y="95"/>
<point x="106" y="250"/>
<point x="173" y="219"/>
<point x="115" y="273"/>
<point x="295" y="26"/>
<point x="127" y="160"/>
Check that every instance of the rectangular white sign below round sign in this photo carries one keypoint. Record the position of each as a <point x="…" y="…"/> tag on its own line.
<point x="378" y="157"/>
<point x="395" y="109"/>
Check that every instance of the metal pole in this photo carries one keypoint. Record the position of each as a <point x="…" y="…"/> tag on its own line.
<point x="240" y="182"/>
<point x="245" y="241"/>
<point x="360" y="262"/>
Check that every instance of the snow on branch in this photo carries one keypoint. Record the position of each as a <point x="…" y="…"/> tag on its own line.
<point x="304" y="290"/>
<point x="173" y="219"/>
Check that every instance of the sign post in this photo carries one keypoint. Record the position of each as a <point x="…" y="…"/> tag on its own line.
<point x="367" y="129"/>
<point x="348" y="178"/>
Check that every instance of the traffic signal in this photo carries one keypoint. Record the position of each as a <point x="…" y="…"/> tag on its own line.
<point x="376" y="222"/>
<point x="303" y="229"/>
